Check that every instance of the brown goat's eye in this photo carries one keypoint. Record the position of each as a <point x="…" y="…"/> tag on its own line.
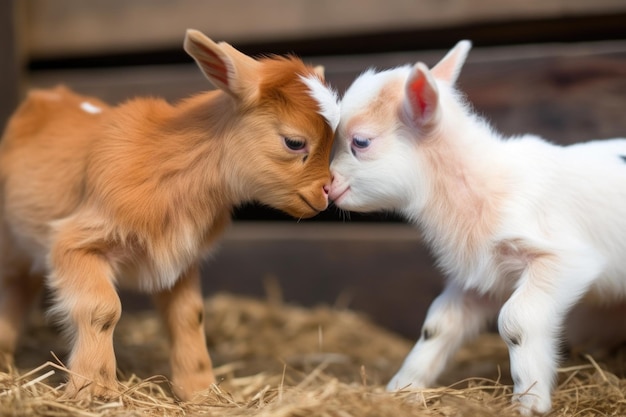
<point x="294" y="144"/>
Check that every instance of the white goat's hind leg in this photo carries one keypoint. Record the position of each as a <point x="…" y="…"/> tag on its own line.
<point x="454" y="317"/>
<point x="530" y="323"/>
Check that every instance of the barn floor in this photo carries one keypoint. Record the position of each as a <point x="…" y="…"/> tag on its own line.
<point x="275" y="359"/>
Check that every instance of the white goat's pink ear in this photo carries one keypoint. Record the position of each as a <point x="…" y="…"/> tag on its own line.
<point x="421" y="96"/>
<point x="449" y="68"/>
<point x="227" y="68"/>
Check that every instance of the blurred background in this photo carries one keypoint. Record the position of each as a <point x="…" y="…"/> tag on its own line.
<point x="552" y="67"/>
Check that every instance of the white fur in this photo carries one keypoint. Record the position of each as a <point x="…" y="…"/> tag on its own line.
<point x="522" y="228"/>
<point x="90" y="108"/>
<point x="326" y="98"/>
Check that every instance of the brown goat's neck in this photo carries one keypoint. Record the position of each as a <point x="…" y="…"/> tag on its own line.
<point x="177" y="156"/>
<point x="201" y="129"/>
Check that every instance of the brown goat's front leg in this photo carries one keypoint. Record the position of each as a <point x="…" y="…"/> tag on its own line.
<point x="88" y="304"/>
<point x="183" y="313"/>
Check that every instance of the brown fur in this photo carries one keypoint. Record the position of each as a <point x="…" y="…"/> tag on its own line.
<point x="137" y="194"/>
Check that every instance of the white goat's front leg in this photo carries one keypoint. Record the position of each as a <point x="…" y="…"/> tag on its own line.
<point x="453" y="318"/>
<point x="531" y="321"/>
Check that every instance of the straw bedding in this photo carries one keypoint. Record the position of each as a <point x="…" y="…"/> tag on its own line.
<point x="279" y="360"/>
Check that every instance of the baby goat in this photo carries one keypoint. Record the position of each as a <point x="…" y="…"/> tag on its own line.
<point x="523" y="229"/>
<point x="95" y="197"/>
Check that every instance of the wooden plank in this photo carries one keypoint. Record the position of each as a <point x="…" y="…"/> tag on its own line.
<point x="72" y="27"/>
<point x="10" y="68"/>
<point x="567" y="93"/>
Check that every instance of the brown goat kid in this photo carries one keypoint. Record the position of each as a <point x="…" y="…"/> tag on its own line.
<point x="95" y="197"/>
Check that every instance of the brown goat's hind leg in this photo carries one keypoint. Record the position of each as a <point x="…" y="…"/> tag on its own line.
<point x="88" y="304"/>
<point x="182" y="310"/>
<point x="19" y="289"/>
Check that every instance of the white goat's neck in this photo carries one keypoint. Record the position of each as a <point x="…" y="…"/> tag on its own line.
<point x="466" y="186"/>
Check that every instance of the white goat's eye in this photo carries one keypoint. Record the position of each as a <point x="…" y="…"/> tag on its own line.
<point x="294" y="144"/>
<point x="360" y="143"/>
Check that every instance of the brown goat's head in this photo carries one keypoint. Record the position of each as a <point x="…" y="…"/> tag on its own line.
<point x="280" y="148"/>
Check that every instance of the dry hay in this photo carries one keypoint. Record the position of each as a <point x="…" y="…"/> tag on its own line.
<point x="278" y="360"/>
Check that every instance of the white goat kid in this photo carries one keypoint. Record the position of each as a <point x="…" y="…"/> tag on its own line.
<point x="521" y="227"/>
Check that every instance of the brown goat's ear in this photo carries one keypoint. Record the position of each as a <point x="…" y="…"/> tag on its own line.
<point x="227" y="68"/>
<point x="319" y="71"/>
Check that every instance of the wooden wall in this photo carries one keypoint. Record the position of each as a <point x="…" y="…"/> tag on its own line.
<point x="73" y="27"/>
<point x="10" y="61"/>
<point x="553" y="67"/>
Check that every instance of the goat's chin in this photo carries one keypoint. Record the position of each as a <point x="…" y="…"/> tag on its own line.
<point x="301" y="212"/>
<point x="356" y="208"/>
<point x="353" y="202"/>
<point x="301" y="208"/>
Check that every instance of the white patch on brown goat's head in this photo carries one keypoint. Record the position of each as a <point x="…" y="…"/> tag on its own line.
<point x="326" y="99"/>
